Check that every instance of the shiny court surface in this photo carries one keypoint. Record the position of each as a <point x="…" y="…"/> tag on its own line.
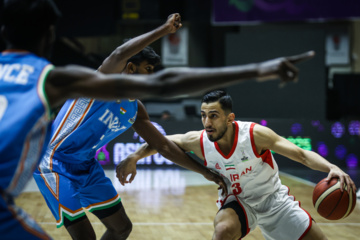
<point x="179" y="204"/>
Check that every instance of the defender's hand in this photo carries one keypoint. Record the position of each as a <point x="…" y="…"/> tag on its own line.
<point x="173" y="22"/>
<point x="216" y="178"/>
<point x="283" y="68"/>
<point x="124" y="169"/>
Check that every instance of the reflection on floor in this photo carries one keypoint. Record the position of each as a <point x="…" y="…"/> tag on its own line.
<point x="175" y="180"/>
<point x="178" y="204"/>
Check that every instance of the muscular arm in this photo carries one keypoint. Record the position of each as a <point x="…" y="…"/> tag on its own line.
<point x="164" y="146"/>
<point x="158" y="143"/>
<point x="168" y="149"/>
<point x="73" y="82"/>
<point x="188" y="142"/>
<point x="116" y="62"/>
<point x="265" y="138"/>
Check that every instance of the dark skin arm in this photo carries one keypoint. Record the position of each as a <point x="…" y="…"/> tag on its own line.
<point x="117" y="60"/>
<point x="74" y="81"/>
<point x="167" y="148"/>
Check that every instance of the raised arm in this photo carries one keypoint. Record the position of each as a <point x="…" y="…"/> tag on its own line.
<point x="265" y="138"/>
<point x="73" y="82"/>
<point x="116" y="62"/>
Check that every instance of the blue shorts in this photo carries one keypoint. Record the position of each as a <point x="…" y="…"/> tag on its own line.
<point x="16" y="224"/>
<point x="69" y="188"/>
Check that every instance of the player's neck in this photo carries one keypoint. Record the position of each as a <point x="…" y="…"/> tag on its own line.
<point x="226" y="142"/>
<point x="15" y="48"/>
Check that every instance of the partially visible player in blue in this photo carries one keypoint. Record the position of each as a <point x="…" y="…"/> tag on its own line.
<point x="30" y="87"/>
<point x="69" y="177"/>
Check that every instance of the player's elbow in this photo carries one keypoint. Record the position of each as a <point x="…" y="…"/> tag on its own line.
<point x="164" y="150"/>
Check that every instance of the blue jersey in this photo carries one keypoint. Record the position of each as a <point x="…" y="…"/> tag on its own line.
<point x="84" y="125"/>
<point x="24" y="117"/>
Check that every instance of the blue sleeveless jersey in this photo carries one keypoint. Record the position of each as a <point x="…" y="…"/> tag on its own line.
<point x="24" y="118"/>
<point x="83" y="126"/>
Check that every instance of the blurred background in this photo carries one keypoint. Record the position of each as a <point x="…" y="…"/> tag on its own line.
<point x="321" y="112"/>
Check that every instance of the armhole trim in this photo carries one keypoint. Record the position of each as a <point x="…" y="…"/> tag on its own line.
<point x="41" y="89"/>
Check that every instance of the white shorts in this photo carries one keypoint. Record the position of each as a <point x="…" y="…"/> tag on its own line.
<point x="279" y="216"/>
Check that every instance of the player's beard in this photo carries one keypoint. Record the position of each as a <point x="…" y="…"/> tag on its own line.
<point x="221" y="134"/>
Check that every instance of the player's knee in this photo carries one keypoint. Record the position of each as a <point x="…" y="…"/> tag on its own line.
<point x="223" y="231"/>
<point x="123" y="231"/>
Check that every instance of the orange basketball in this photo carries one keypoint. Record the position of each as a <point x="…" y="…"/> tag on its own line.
<point x="330" y="202"/>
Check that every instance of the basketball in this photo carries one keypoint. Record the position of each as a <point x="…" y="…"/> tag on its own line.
<point x="330" y="202"/>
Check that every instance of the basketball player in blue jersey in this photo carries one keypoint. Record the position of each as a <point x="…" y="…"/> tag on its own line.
<point x="31" y="87"/>
<point x="70" y="178"/>
<point x="240" y="152"/>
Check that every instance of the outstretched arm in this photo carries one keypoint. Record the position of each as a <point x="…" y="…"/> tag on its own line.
<point x="116" y="62"/>
<point x="73" y="82"/>
<point x="187" y="142"/>
<point x="265" y="138"/>
<point x="165" y="147"/>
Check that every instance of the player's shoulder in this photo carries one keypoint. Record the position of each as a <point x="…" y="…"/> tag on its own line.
<point x="193" y="135"/>
<point x="190" y="141"/>
<point x="187" y="138"/>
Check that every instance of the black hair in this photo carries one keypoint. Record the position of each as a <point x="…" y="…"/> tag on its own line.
<point x="26" y="21"/>
<point x="147" y="54"/>
<point x="219" y="96"/>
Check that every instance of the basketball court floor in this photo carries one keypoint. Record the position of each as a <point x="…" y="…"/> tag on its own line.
<point x="176" y="204"/>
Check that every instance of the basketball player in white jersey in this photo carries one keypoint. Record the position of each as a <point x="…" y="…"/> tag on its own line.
<point x="240" y="152"/>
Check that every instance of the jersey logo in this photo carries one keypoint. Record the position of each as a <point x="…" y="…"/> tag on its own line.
<point x="217" y="166"/>
<point x="229" y="166"/>
<point x="122" y="111"/>
<point x="132" y="120"/>
<point x="244" y="158"/>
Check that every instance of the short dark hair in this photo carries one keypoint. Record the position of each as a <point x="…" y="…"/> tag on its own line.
<point x="26" y="21"/>
<point x="147" y="54"/>
<point x="219" y="96"/>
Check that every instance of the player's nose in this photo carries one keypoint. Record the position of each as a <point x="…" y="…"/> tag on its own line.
<point x="207" y="122"/>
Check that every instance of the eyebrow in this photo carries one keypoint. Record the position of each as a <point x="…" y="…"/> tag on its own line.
<point x="212" y="111"/>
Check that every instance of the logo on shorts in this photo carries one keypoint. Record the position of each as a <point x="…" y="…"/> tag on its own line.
<point x="217" y="166"/>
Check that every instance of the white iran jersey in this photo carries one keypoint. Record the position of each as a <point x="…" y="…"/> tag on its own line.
<point x="248" y="175"/>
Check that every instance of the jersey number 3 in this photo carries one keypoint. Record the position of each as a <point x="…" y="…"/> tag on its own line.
<point x="236" y="188"/>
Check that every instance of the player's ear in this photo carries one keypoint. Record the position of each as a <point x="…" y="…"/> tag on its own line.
<point x="130" y="68"/>
<point x="231" y="117"/>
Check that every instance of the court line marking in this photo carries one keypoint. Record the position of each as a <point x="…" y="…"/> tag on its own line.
<point x="199" y="223"/>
